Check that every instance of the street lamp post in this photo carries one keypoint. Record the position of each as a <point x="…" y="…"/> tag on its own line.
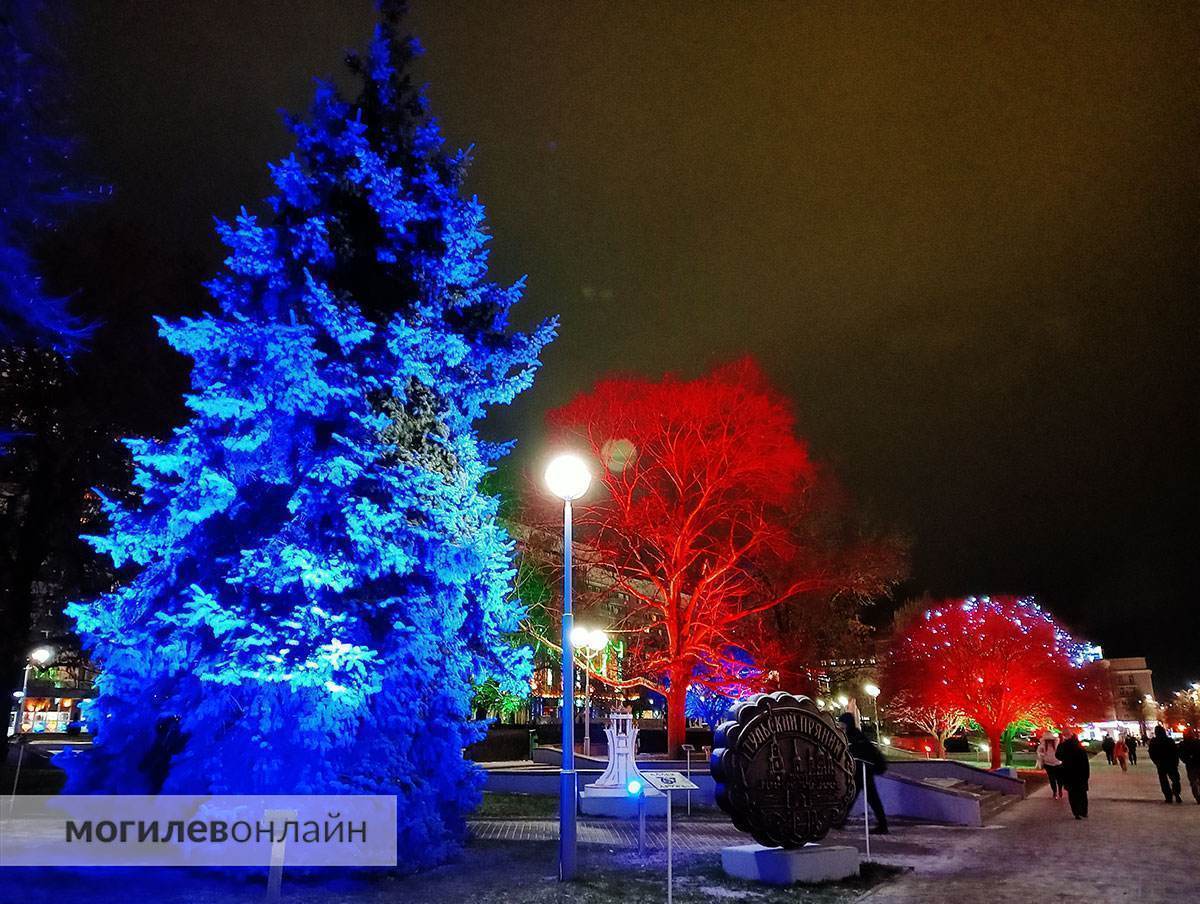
<point x="39" y="657"/>
<point x="568" y="478"/>
<point x="872" y="691"/>
<point x="591" y="642"/>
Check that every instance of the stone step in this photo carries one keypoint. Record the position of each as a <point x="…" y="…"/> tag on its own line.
<point x="991" y="802"/>
<point x="995" y="803"/>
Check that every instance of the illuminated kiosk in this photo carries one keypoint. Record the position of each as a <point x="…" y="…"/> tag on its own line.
<point x="609" y="795"/>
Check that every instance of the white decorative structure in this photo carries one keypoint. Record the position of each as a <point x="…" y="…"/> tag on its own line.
<point x="610" y="795"/>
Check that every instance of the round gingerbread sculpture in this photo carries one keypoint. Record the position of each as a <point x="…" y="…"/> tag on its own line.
<point x="783" y="770"/>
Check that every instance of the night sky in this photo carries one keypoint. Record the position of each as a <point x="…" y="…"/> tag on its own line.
<point x="961" y="237"/>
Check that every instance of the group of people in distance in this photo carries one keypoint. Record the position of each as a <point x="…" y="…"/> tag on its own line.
<point x="1122" y="751"/>
<point x="1068" y="769"/>
<point x="1066" y="763"/>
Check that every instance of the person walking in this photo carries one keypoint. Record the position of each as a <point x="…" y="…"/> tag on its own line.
<point x="1075" y="771"/>
<point x="1107" y="745"/>
<point x="1165" y="756"/>
<point x="1121" y="754"/>
<point x="1131" y="744"/>
<point x="1189" y="752"/>
<point x="864" y="752"/>
<point x="1048" y="761"/>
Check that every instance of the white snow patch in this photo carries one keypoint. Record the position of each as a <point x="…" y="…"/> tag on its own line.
<point x="715" y="891"/>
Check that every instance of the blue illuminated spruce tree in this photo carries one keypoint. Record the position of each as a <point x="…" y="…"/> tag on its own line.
<point x="318" y="579"/>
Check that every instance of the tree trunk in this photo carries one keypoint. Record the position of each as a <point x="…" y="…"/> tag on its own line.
<point x="939" y="747"/>
<point x="676" y="716"/>
<point x="995" y="740"/>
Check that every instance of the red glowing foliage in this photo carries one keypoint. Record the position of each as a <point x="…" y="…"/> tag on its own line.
<point x="996" y="660"/>
<point x="709" y="515"/>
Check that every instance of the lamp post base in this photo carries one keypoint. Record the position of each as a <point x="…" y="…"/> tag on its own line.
<point x="566" y="825"/>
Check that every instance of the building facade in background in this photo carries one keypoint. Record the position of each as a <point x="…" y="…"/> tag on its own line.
<point x="1133" y="708"/>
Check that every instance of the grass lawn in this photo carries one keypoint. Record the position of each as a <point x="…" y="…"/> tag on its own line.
<point x="517" y="806"/>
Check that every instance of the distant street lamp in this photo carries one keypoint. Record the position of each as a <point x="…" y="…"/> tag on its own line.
<point x="38" y="657"/>
<point x="591" y="642"/>
<point x="872" y="691"/>
<point x="568" y="478"/>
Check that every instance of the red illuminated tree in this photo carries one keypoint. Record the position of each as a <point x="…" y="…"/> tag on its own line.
<point x="997" y="660"/>
<point x="1183" y="710"/>
<point x="709" y="515"/>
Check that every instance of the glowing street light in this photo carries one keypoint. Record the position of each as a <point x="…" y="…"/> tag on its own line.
<point x="872" y="691"/>
<point x="568" y="478"/>
<point x="591" y="642"/>
<point x="843" y="701"/>
<point x="38" y="657"/>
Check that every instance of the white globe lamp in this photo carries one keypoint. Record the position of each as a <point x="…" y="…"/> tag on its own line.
<point x="568" y="477"/>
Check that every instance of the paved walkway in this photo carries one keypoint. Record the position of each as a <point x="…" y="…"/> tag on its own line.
<point x="622" y="833"/>
<point x="1133" y="847"/>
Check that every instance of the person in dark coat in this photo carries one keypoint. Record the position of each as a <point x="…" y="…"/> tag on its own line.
<point x="1108" y="745"/>
<point x="864" y="751"/>
<point x="1189" y="752"/>
<point x="1165" y="755"/>
<point x="1131" y="744"/>
<point x="1074" y="772"/>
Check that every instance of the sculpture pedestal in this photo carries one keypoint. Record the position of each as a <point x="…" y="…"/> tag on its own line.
<point x="776" y="866"/>
<point x="609" y="795"/>
<point x="618" y="802"/>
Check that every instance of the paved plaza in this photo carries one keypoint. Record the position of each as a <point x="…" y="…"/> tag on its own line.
<point x="1132" y="847"/>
